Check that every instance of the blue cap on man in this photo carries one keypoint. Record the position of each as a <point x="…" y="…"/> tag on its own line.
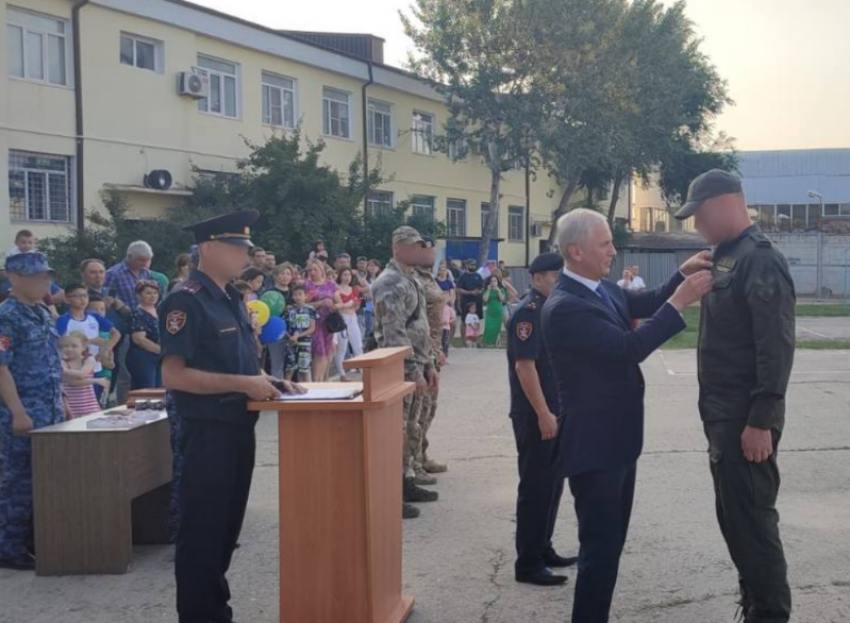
<point x="28" y="264"/>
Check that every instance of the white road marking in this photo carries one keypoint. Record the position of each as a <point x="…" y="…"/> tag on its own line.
<point x="826" y="337"/>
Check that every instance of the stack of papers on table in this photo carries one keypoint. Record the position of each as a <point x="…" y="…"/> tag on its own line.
<point x="324" y="394"/>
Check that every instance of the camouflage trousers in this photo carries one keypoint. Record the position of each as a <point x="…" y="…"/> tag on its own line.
<point x="419" y="413"/>
<point x="175" y="425"/>
<point x="426" y="418"/>
<point x="16" y="515"/>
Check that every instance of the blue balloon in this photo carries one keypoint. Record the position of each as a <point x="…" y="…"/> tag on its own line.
<point x="273" y="331"/>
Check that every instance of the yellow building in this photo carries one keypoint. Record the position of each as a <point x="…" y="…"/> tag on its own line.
<point x="95" y="95"/>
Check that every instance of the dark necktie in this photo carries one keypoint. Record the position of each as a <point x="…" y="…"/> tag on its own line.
<point x="606" y="298"/>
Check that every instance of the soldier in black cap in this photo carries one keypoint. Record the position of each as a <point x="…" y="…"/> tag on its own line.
<point x="745" y="355"/>
<point x="534" y="401"/>
<point x="210" y="365"/>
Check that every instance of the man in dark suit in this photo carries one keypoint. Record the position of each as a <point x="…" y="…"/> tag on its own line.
<point x="595" y="354"/>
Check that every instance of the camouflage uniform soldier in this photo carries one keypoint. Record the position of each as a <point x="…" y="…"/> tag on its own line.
<point x="400" y="320"/>
<point x="30" y="397"/>
<point x="435" y="300"/>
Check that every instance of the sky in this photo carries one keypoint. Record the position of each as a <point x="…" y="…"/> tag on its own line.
<point x="787" y="62"/>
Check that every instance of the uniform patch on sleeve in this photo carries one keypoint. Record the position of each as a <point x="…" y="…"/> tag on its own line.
<point x="5" y="343"/>
<point x="524" y="330"/>
<point x="175" y="321"/>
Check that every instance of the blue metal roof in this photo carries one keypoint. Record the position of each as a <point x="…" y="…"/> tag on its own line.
<point x="788" y="176"/>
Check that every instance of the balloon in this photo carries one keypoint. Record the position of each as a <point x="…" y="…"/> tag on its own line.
<point x="274" y="331"/>
<point x="262" y="310"/>
<point x="275" y="301"/>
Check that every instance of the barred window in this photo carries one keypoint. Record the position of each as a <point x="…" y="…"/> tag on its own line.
<point x="40" y="187"/>
<point x="379" y="203"/>
<point x="516" y="224"/>
<point x="456" y="218"/>
<point x="423" y="205"/>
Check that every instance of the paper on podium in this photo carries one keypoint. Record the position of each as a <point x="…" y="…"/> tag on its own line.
<point x="323" y="394"/>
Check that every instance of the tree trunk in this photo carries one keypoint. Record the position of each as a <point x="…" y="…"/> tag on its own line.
<point x="615" y="196"/>
<point x="492" y="215"/>
<point x="569" y="191"/>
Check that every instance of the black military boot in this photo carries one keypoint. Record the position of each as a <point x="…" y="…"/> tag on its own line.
<point x="413" y="493"/>
<point x="408" y="511"/>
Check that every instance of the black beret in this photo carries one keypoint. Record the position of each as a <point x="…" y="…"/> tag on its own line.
<point x="546" y="262"/>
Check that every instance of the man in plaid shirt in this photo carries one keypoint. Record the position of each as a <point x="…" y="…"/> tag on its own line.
<point x="121" y="279"/>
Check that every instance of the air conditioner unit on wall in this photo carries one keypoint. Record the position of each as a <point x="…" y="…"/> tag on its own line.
<point x="536" y="230"/>
<point x="194" y="84"/>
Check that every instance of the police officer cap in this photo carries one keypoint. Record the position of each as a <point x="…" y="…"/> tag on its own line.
<point x="233" y="228"/>
<point x="407" y="235"/>
<point x="31" y="263"/>
<point x="546" y="262"/>
<point x="707" y="186"/>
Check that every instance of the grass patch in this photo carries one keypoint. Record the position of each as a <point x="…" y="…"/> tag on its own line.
<point x="823" y="311"/>
<point x="823" y="344"/>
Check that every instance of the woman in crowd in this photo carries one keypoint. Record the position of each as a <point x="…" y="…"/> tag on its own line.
<point x="494" y="299"/>
<point x="283" y="276"/>
<point x="143" y="356"/>
<point x="319" y="252"/>
<point x="511" y="295"/>
<point x="255" y="278"/>
<point x="446" y="281"/>
<point x="183" y="267"/>
<point x="348" y="303"/>
<point x="321" y="291"/>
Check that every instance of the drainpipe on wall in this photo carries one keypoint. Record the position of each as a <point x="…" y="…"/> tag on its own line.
<point x="78" y="112"/>
<point x="527" y="212"/>
<point x="366" y="147"/>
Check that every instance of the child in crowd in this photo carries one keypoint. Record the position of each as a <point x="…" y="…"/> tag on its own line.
<point x="449" y="318"/>
<point x="473" y="326"/>
<point x="283" y="276"/>
<point x="255" y="278"/>
<point x="105" y="356"/>
<point x="101" y="334"/>
<point x="300" y="327"/>
<point x="78" y="375"/>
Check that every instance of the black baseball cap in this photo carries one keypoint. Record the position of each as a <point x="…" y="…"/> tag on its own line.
<point x="707" y="186"/>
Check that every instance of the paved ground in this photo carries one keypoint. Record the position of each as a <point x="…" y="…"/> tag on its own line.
<point x="814" y="328"/>
<point x="459" y="554"/>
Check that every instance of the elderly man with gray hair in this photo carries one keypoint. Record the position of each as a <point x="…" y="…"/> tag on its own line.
<point x="121" y="282"/>
<point x="596" y="354"/>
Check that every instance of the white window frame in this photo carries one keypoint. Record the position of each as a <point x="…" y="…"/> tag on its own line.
<point x="485" y="209"/>
<point x="456" y="226"/>
<point x="428" y="207"/>
<point x="158" y="52"/>
<point x="371" y="117"/>
<point x="423" y="133"/>
<point x="19" y="21"/>
<point x="267" y="91"/>
<point x="327" y="112"/>
<point x="68" y="184"/>
<point x="459" y="150"/>
<point x="204" y="104"/>
<point x="515" y="212"/>
<point x="380" y="207"/>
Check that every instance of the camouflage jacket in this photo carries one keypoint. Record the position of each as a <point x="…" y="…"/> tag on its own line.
<point x="400" y="317"/>
<point x="435" y="300"/>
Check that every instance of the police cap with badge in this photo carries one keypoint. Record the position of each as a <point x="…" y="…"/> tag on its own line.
<point x="546" y="262"/>
<point x="233" y="228"/>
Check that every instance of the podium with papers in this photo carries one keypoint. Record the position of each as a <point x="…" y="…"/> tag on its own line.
<point x="341" y="496"/>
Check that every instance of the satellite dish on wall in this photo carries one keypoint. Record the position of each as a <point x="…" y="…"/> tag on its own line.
<point x="158" y="179"/>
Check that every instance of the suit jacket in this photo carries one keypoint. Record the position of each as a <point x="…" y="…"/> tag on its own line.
<point x="595" y="357"/>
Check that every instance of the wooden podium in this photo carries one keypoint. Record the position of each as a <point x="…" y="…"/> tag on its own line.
<point x="340" y="499"/>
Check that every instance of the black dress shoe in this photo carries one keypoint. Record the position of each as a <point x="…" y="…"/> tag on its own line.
<point x="544" y="577"/>
<point x="553" y="560"/>
<point x="24" y="562"/>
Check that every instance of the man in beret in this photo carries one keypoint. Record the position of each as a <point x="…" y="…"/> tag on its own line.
<point x="534" y="403"/>
<point x="30" y="397"/>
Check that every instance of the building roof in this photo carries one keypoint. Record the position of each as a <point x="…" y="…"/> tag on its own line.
<point x="787" y="176"/>
<point x="672" y="241"/>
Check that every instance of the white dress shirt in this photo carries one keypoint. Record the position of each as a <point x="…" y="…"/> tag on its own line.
<point x="588" y="283"/>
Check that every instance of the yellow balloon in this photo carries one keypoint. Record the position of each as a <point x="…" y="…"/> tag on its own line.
<point x="262" y="310"/>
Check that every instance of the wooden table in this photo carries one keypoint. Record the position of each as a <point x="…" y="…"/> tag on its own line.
<point x="96" y="493"/>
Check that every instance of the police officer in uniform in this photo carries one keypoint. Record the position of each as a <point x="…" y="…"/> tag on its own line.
<point x="30" y="398"/>
<point x="534" y="402"/>
<point x="210" y="365"/>
<point x="745" y="355"/>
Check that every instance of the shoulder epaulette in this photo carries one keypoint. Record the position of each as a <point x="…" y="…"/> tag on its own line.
<point x="761" y="240"/>
<point x="190" y="286"/>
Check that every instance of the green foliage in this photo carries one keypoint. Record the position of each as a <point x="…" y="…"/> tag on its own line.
<point x="685" y="160"/>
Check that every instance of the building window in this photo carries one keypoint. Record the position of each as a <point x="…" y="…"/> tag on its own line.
<point x="39" y="187"/>
<point x="141" y="52"/>
<point x="516" y="224"/>
<point x="458" y="150"/>
<point x="423" y="206"/>
<point x="336" y="113"/>
<point x="278" y="100"/>
<point x="37" y="47"/>
<point x="456" y="218"/>
<point x="224" y="88"/>
<point x="379" y="203"/>
<point x="423" y="133"/>
<point x="380" y="123"/>
<point x="831" y="209"/>
<point x="765" y="216"/>
<point x="485" y="215"/>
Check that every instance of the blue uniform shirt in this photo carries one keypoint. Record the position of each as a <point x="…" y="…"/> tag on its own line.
<point x="525" y="341"/>
<point x="29" y="348"/>
<point x="210" y="329"/>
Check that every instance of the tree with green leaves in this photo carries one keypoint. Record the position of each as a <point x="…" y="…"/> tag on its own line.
<point x="480" y="56"/>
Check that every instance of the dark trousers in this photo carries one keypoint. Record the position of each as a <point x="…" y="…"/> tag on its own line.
<point x="218" y="462"/>
<point x="541" y="483"/>
<point x="603" y="502"/>
<point x="144" y="368"/>
<point x="175" y="426"/>
<point x="745" y="495"/>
